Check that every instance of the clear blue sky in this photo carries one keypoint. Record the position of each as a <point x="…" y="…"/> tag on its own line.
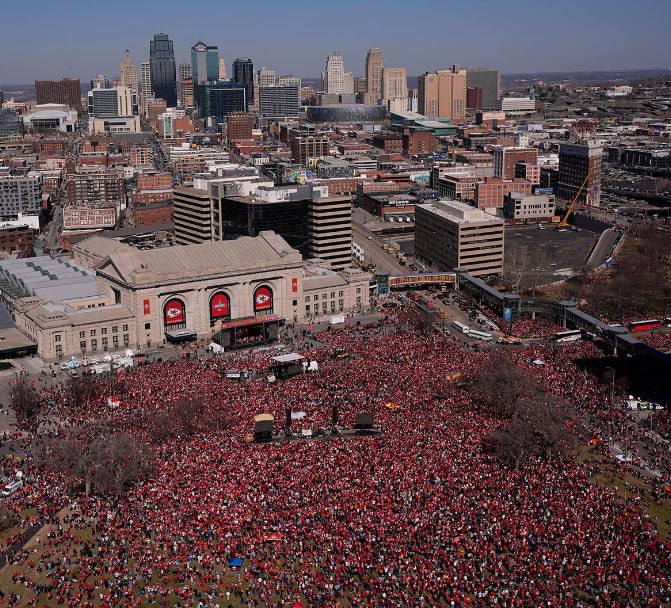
<point x="79" y="38"/>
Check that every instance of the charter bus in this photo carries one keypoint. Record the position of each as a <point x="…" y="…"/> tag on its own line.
<point x="480" y="335"/>
<point x="644" y="325"/>
<point x="572" y="335"/>
<point x="464" y="329"/>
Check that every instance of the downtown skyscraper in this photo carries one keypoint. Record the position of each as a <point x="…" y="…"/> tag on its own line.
<point x="204" y="63"/>
<point x="333" y="76"/>
<point x="163" y="69"/>
<point x="243" y="73"/>
<point x="374" y="67"/>
<point x="127" y="72"/>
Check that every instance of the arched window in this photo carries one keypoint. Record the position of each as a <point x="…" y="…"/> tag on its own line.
<point x="174" y="314"/>
<point x="220" y="307"/>
<point x="263" y="301"/>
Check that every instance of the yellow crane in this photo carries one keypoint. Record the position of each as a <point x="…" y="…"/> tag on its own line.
<point x="569" y="211"/>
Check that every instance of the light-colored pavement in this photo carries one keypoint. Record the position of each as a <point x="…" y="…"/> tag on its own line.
<point x="374" y="253"/>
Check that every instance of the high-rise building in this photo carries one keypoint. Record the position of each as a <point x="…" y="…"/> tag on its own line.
<point x="218" y="99"/>
<point x="374" y="67"/>
<point x="489" y="82"/>
<point x="243" y="73"/>
<point x="100" y="82"/>
<point x="163" y="72"/>
<point x="127" y="72"/>
<point x="116" y="101"/>
<point x="280" y="101"/>
<point x="145" y="83"/>
<point x="333" y="76"/>
<point x="186" y="93"/>
<point x="580" y="173"/>
<point x="442" y="94"/>
<point x="66" y="91"/>
<point x="395" y="89"/>
<point x="185" y="71"/>
<point x="204" y="63"/>
<point x="266" y="77"/>
<point x="451" y="234"/>
<point x="20" y="195"/>
<point x="330" y="230"/>
<point x="192" y="216"/>
<point x="348" y="83"/>
<point x="222" y="69"/>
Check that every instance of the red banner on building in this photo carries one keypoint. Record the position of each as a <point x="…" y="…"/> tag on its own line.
<point x="147" y="308"/>
<point x="174" y="312"/>
<point x="294" y="285"/>
<point x="220" y="306"/>
<point x="263" y="299"/>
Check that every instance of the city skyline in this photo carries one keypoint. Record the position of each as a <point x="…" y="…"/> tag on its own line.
<point x="565" y="43"/>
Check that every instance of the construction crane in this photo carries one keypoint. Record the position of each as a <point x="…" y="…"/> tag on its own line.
<point x="569" y="210"/>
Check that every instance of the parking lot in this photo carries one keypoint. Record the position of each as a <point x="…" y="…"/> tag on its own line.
<point x="546" y="256"/>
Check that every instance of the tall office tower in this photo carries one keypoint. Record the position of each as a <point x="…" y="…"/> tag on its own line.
<point x="266" y="77"/>
<point x="185" y="71"/>
<point x="186" y="93"/>
<point x="442" y="94"/>
<point x="348" y="83"/>
<point x="580" y="173"/>
<point x="163" y="72"/>
<point x="395" y="89"/>
<point x="374" y="67"/>
<point x="66" y="91"/>
<point x="488" y="81"/>
<point x="217" y="100"/>
<point x="117" y="101"/>
<point x="330" y="230"/>
<point x="360" y="86"/>
<point x="280" y="101"/>
<point x="127" y="72"/>
<point x="333" y="76"/>
<point x="222" y="69"/>
<point x="413" y="100"/>
<point x="145" y="80"/>
<point x="100" y="82"/>
<point x="204" y="63"/>
<point x="243" y="73"/>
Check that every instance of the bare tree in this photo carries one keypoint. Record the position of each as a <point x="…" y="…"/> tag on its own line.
<point x="539" y="427"/>
<point x="8" y="518"/>
<point x="96" y="457"/>
<point x="25" y="402"/>
<point x="81" y="389"/>
<point x="500" y="386"/>
<point x="515" y="269"/>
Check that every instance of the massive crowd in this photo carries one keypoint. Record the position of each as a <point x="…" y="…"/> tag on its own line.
<point x="420" y="516"/>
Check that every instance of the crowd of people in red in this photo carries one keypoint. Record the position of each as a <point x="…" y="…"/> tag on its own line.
<point x="420" y="516"/>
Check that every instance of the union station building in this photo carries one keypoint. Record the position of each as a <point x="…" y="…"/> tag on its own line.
<point x="237" y="293"/>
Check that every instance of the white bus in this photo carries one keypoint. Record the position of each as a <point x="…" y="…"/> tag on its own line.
<point x="464" y="329"/>
<point x="479" y="335"/>
<point x="567" y="336"/>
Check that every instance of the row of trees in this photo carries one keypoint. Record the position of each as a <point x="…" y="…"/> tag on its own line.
<point x="638" y="286"/>
<point x="535" y="423"/>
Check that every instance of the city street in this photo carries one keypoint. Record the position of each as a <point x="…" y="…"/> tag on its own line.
<point x="374" y="253"/>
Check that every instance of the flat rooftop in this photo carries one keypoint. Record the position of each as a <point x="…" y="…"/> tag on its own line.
<point x="458" y="212"/>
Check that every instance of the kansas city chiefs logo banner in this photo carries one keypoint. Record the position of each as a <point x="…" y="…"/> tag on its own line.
<point x="263" y="299"/>
<point x="174" y="312"/>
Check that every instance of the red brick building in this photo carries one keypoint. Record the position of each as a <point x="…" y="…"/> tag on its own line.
<point x="239" y="126"/>
<point x="419" y="143"/>
<point x="153" y="213"/>
<point x="391" y="142"/>
<point x="17" y="239"/>
<point x="529" y="171"/>
<point x="505" y="159"/>
<point x="491" y="191"/>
